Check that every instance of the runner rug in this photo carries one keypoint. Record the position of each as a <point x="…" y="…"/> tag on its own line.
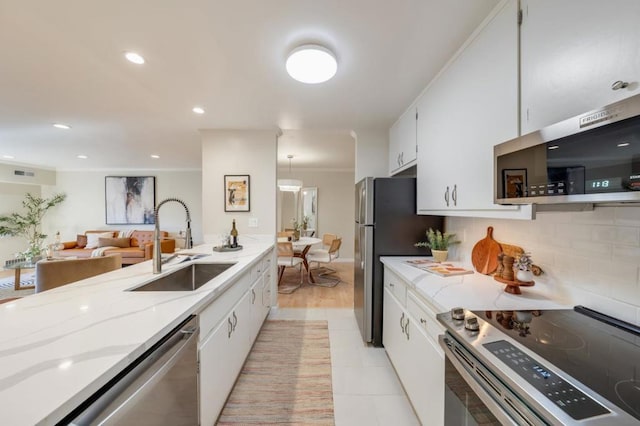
<point x="286" y="378"/>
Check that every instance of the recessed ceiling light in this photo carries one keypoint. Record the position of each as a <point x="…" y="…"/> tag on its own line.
<point x="134" y="57"/>
<point x="155" y="156"/>
<point x="61" y="126"/>
<point x="82" y="157"/>
<point x="311" y="64"/>
<point x="553" y="147"/>
<point x="198" y="110"/>
<point x="8" y="157"/>
<point x="623" y="144"/>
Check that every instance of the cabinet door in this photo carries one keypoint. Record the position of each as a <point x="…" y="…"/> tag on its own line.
<point x="216" y="376"/>
<point x="425" y="384"/>
<point x="472" y="106"/>
<point x="393" y="337"/>
<point x="572" y="53"/>
<point x="257" y="307"/>
<point x="402" y="141"/>
<point x="221" y="357"/>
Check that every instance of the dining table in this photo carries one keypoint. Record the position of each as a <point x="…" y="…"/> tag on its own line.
<point x="301" y="247"/>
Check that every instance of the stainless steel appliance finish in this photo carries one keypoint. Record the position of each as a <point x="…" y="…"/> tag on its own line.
<point x="159" y="388"/>
<point x="546" y="367"/>
<point x="590" y="158"/>
<point x="386" y="224"/>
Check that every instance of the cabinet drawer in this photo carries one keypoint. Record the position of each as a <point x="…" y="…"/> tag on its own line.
<point x="424" y="316"/>
<point x="218" y="309"/>
<point x="396" y="286"/>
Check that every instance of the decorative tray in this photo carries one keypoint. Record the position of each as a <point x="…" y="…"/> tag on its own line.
<point x="513" y="287"/>
<point x="227" y="248"/>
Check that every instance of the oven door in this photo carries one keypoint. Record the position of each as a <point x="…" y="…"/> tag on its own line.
<point x="474" y="396"/>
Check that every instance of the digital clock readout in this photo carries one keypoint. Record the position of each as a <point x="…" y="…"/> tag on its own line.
<point x="602" y="185"/>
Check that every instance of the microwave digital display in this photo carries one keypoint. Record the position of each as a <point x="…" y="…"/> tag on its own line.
<point x="605" y="184"/>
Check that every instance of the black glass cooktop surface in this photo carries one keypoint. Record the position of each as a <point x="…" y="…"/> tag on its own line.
<point x="603" y="357"/>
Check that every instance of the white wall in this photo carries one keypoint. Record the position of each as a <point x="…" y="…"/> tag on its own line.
<point x="238" y="152"/>
<point x="589" y="258"/>
<point x="336" y="204"/>
<point x="84" y="207"/>
<point x="11" y="197"/>
<point x="372" y="153"/>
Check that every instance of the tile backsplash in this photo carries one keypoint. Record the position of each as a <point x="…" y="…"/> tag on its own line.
<point x="589" y="258"/>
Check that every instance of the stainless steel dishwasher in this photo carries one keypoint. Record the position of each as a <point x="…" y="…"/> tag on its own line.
<point x="159" y="388"/>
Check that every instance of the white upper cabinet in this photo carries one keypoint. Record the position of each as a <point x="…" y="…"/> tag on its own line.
<point x="470" y="107"/>
<point x="572" y="53"/>
<point x="402" y="142"/>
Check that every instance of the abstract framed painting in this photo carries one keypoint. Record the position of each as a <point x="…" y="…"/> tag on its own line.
<point x="130" y="200"/>
<point x="236" y="193"/>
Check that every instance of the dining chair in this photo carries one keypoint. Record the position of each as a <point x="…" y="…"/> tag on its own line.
<point x="287" y="259"/>
<point x="327" y="239"/>
<point x="325" y="256"/>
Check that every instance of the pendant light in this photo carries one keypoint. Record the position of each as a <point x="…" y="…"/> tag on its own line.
<point x="289" y="185"/>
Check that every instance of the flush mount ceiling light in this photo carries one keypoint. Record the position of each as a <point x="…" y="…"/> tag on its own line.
<point x="8" y="157"/>
<point x="311" y="64"/>
<point x="155" y="156"/>
<point x="82" y="156"/>
<point x="134" y="57"/>
<point x="61" y="126"/>
<point x="198" y="110"/>
<point x="289" y="185"/>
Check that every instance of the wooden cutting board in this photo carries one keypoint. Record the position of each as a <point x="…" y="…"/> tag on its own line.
<point x="484" y="255"/>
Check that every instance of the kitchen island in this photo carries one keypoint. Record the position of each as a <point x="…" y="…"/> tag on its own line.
<point x="59" y="347"/>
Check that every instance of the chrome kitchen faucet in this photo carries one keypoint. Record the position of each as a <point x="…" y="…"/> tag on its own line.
<point x="157" y="253"/>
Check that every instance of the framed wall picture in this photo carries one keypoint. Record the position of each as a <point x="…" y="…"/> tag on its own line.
<point x="236" y="193"/>
<point x="514" y="183"/>
<point x="129" y="200"/>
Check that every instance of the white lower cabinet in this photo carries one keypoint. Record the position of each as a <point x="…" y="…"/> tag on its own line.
<point x="220" y="360"/>
<point x="416" y="356"/>
<point x="224" y="344"/>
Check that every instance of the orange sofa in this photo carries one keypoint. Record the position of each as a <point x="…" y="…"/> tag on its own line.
<point x="135" y="247"/>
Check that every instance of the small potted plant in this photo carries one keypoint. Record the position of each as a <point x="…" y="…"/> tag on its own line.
<point x="439" y="243"/>
<point x="522" y="265"/>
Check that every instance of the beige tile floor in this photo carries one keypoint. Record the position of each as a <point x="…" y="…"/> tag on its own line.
<point x="366" y="390"/>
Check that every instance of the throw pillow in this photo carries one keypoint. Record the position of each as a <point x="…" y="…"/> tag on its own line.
<point x="93" y="237"/>
<point x="114" y="242"/>
<point x="81" y="241"/>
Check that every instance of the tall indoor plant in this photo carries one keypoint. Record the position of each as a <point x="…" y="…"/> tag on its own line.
<point x="28" y="224"/>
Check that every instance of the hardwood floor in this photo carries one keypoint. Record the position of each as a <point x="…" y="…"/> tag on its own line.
<point x="313" y="296"/>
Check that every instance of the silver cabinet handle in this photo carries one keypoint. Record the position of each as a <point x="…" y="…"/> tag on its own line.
<point x="402" y="322"/>
<point x="235" y="321"/>
<point x="391" y="284"/>
<point x="446" y="196"/>
<point x="423" y="321"/>
<point x="406" y="328"/>
<point x="253" y="296"/>
<point x="454" y="195"/>
<point x="229" y="327"/>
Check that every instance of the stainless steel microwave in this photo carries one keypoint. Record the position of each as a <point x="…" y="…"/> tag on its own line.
<point x="590" y="158"/>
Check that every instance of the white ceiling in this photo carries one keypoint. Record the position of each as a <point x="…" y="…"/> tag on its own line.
<point x="62" y="61"/>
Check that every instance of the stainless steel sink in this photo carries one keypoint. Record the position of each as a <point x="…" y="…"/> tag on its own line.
<point x="186" y="279"/>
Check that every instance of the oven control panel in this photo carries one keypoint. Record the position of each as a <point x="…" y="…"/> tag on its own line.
<point x="569" y="399"/>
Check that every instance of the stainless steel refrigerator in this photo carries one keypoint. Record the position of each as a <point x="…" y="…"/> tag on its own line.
<point x="386" y="225"/>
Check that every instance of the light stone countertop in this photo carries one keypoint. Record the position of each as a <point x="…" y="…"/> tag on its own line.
<point x="59" y="346"/>
<point x="472" y="291"/>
